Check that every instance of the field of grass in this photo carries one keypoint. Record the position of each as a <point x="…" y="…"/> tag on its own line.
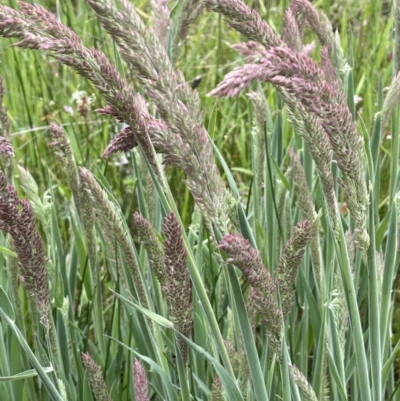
<point x="218" y="329"/>
<point x="41" y="88"/>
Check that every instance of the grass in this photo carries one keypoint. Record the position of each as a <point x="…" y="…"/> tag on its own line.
<point x="94" y="298"/>
<point x="38" y="104"/>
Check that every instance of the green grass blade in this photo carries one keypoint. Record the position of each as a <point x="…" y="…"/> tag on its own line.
<point x="248" y="340"/>
<point x="389" y="274"/>
<point x="374" y="318"/>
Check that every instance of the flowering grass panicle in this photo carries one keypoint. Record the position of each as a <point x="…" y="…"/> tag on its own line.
<point x="305" y="387"/>
<point x="307" y="207"/>
<point x="289" y="263"/>
<point x="123" y="142"/>
<point x="96" y="380"/>
<point x="263" y="288"/>
<point x="112" y="226"/>
<point x="291" y="32"/>
<point x="327" y="66"/>
<point x="259" y="130"/>
<point x="141" y="383"/>
<point x="177" y="287"/>
<point x="64" y="151"/>
<point x="301" y="77"/>
<point x="189" y="11"/>
<point x="160" y="19"/>
<point x="233" y="356"/>
<point x="246" y="21"/>
<point x="37" y="28"/>
<point x="305" y="123"/>
<point x="185" y="140"/>
<point x="237" y="354"/>
<point x="391" y="100"/>
<point x="340" y="310"/>
<point x="351" y="246"/>
<point x="300" y="184"/>
<point x="149" y="239"/>
<point x="266" y="65"/>
<point x="6" y="148"/>
<point x="216" y="390"/>
<point x="17" y="220"/>
<point x="88" y="222"/>
<point x="320" y="24"/>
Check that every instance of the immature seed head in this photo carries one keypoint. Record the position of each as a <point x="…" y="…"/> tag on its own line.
<point x="177" y="287"/>
<point x="263" y="288"/>
<point x="95" y="376"/>
<point x="141" y="383"/>
<point x="18" y="220"/>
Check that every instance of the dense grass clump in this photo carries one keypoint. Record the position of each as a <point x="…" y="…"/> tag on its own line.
<point x="199" y="200"/>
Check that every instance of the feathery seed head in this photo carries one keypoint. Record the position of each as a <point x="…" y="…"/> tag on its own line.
<point x="96" y="380"/>
<point x="303" y="83"/>
<point x="263" y="289"/>
<point x="153" y="247"/>
<point x="291" y="32"/>
<point x="6" y="148"/>
<point x="340" y="311"/>
<point x="64" y="151"/>
<point x="307" y="207"/>
<point x="17" y="219"/>
<point x="233" y="356"/>
<point x="180" y="134"/>
<point x="320" y="24"/>
<point x="216" y="390"/>
<point x="300" y="183"/>
<point x="177" y="287"/>
<point x="391" y="99"/>
<point x="289" y="263"/>
<point x="246" y="21"/>
<point x="160" y="19"/>
<point x="111" y="222"/>
<point x="305" y="387"/>
<point x="141" y="383"/>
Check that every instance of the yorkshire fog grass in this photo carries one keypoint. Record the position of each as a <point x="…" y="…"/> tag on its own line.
<point x="199" y="200"/>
